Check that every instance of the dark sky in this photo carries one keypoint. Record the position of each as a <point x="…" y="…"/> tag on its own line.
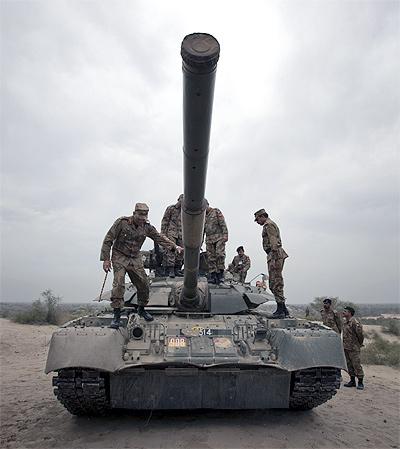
<point x="305" y="124"/>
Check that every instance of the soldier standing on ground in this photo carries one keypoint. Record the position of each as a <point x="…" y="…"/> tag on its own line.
<point x="171" y="226"/>
<point x="126" y="237"/>
<point x="276" y="256"/>
<point x="240" y="265"/>
<point x="353" y="339"/>
<point x="330" y="317"/>
<point x="216" y="233"/>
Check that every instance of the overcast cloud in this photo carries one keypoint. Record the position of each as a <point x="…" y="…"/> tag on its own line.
<point x="305" y="124"/>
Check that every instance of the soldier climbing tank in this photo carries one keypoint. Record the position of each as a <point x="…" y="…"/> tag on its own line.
<point x="209" y="346"/>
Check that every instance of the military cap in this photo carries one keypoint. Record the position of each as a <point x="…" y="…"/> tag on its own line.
<point x="141" y="207"/>
<point x="350" y="309"/>
<point x="327" y="301"/>
<point x="259" y="213"/>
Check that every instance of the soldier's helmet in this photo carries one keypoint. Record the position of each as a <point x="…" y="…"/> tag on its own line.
<point x="350" y="309"/>
<point x="180" y="198"/>
<point x="259" y="213"/>
<point x="142" y="208"/>
<point x="327" y="301"/>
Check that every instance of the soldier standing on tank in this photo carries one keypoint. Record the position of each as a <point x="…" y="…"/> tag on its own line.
<point x="276" y="256"/>
<point x="330" y="317"/>
<point x="171" y="226"/>
<point x="126" y="237"/>
<point x="216" y="233"/>
<point x="353" y="338"/>
<point x="240" y="265"/>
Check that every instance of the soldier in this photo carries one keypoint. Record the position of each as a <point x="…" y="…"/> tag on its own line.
<point x="126" y="237"/>
<point x="216" y="234"/>
<point x="171" y="226"/>
<point x="353" y="339"/>
<point x="240" y="265"/>
<point x="276" y="256"/>
<point x="330" y="317"/>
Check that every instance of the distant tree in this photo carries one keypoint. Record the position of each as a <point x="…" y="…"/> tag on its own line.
<point x="43" y="310"/>
<point x="51" y="301"/>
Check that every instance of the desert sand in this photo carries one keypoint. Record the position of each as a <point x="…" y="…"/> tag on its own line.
<point x="31" y="417"/>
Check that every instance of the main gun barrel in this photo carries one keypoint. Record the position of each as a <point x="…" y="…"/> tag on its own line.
<point x="200" y="53"/>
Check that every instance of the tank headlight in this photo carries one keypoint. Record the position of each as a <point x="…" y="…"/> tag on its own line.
<point x="137" y="332"/>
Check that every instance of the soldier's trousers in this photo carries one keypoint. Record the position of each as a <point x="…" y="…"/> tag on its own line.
<point x="138" y="277"/>
<point x="215" y="256"/>
<point x="353" y="361"/>
<point x="172" y="258"/>
<point x="275" y="267"/>
<point x="238" y="276"/>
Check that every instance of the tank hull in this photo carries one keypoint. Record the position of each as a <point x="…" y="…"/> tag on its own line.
<point x="193" y="388"/>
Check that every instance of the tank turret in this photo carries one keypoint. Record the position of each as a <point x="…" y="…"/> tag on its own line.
<point x="200" y="53"/>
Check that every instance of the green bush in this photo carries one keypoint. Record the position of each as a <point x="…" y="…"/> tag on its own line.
<point x="42" y="311"/>
<point x="381" y="352"/>
<point x="35" y="315"/>
<point x="392" y="327"/>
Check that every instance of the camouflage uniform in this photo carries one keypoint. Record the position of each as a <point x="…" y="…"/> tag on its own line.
<point x="239" y="267"/>
<point x="126" y="237"/>
<point x="216" y="236"/>
<point x="276" y="256"/>
<point x="353" y="338"/>
<point x="332" y="319"/>
<point x="171" y="226"/>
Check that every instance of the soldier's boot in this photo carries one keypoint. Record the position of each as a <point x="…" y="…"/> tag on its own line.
<point x="279" y="312"/>
<point x="217" y="277"/>
<point x="351" y="383"/>
<point x="171" y="272"/>
<point x="144" y="314"/>
<point x="286" y="311"/>
<point x="178" y="272"/>
<point x="221" y="276"/>
<point x="212" y="278"/>
<point x="116" y="322"/>
<point x="360" y="385"/>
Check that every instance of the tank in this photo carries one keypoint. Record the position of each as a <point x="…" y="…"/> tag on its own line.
<point x="209" y="346"/>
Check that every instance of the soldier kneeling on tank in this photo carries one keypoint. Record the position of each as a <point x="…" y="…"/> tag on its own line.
<point x="126" y="237"/>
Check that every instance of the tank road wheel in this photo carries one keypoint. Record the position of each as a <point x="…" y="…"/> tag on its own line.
<point x="83" y="391"/>
<point x="312" y="387"/>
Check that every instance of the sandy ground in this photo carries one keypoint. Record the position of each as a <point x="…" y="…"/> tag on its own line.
<point x="31" y="417"/>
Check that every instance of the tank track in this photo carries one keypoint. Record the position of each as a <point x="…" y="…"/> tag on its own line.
<point x="82" y="391"/>
<point x="312" y="387"/>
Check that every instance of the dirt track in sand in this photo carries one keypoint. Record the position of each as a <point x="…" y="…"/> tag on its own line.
<point x="31" y="417"/>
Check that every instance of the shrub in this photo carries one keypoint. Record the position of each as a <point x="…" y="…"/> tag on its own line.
<point x="381" y="352"/>
<point x="392" y="327"/>
<point x="35" y="315"/>
<point x="45" y="310"/>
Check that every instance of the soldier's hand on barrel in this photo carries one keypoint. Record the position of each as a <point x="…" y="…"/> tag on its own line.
<point x="179" y="249"/>
<point x="224" y="239"/>
<point x="107" y="265"/>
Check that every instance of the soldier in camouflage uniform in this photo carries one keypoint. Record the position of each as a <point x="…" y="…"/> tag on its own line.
<point x="216" y="234"/>
<point x="330" y="317"/>
<point x="240" y="265"/>
<point x="276" y="256"/>
<point x="353" y="339"/>
<point x="126" y="237"/>
<point x="171" y="226"/>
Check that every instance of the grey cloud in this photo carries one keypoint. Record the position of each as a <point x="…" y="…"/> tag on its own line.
<point x="91" y="123"/>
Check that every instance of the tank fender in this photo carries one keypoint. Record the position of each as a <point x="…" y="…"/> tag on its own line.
<point x="306" y="348"/>
<point x="87" y="347"/>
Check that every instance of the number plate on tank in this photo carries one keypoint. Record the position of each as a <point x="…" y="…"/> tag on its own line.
<point x="177" y="342"/>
